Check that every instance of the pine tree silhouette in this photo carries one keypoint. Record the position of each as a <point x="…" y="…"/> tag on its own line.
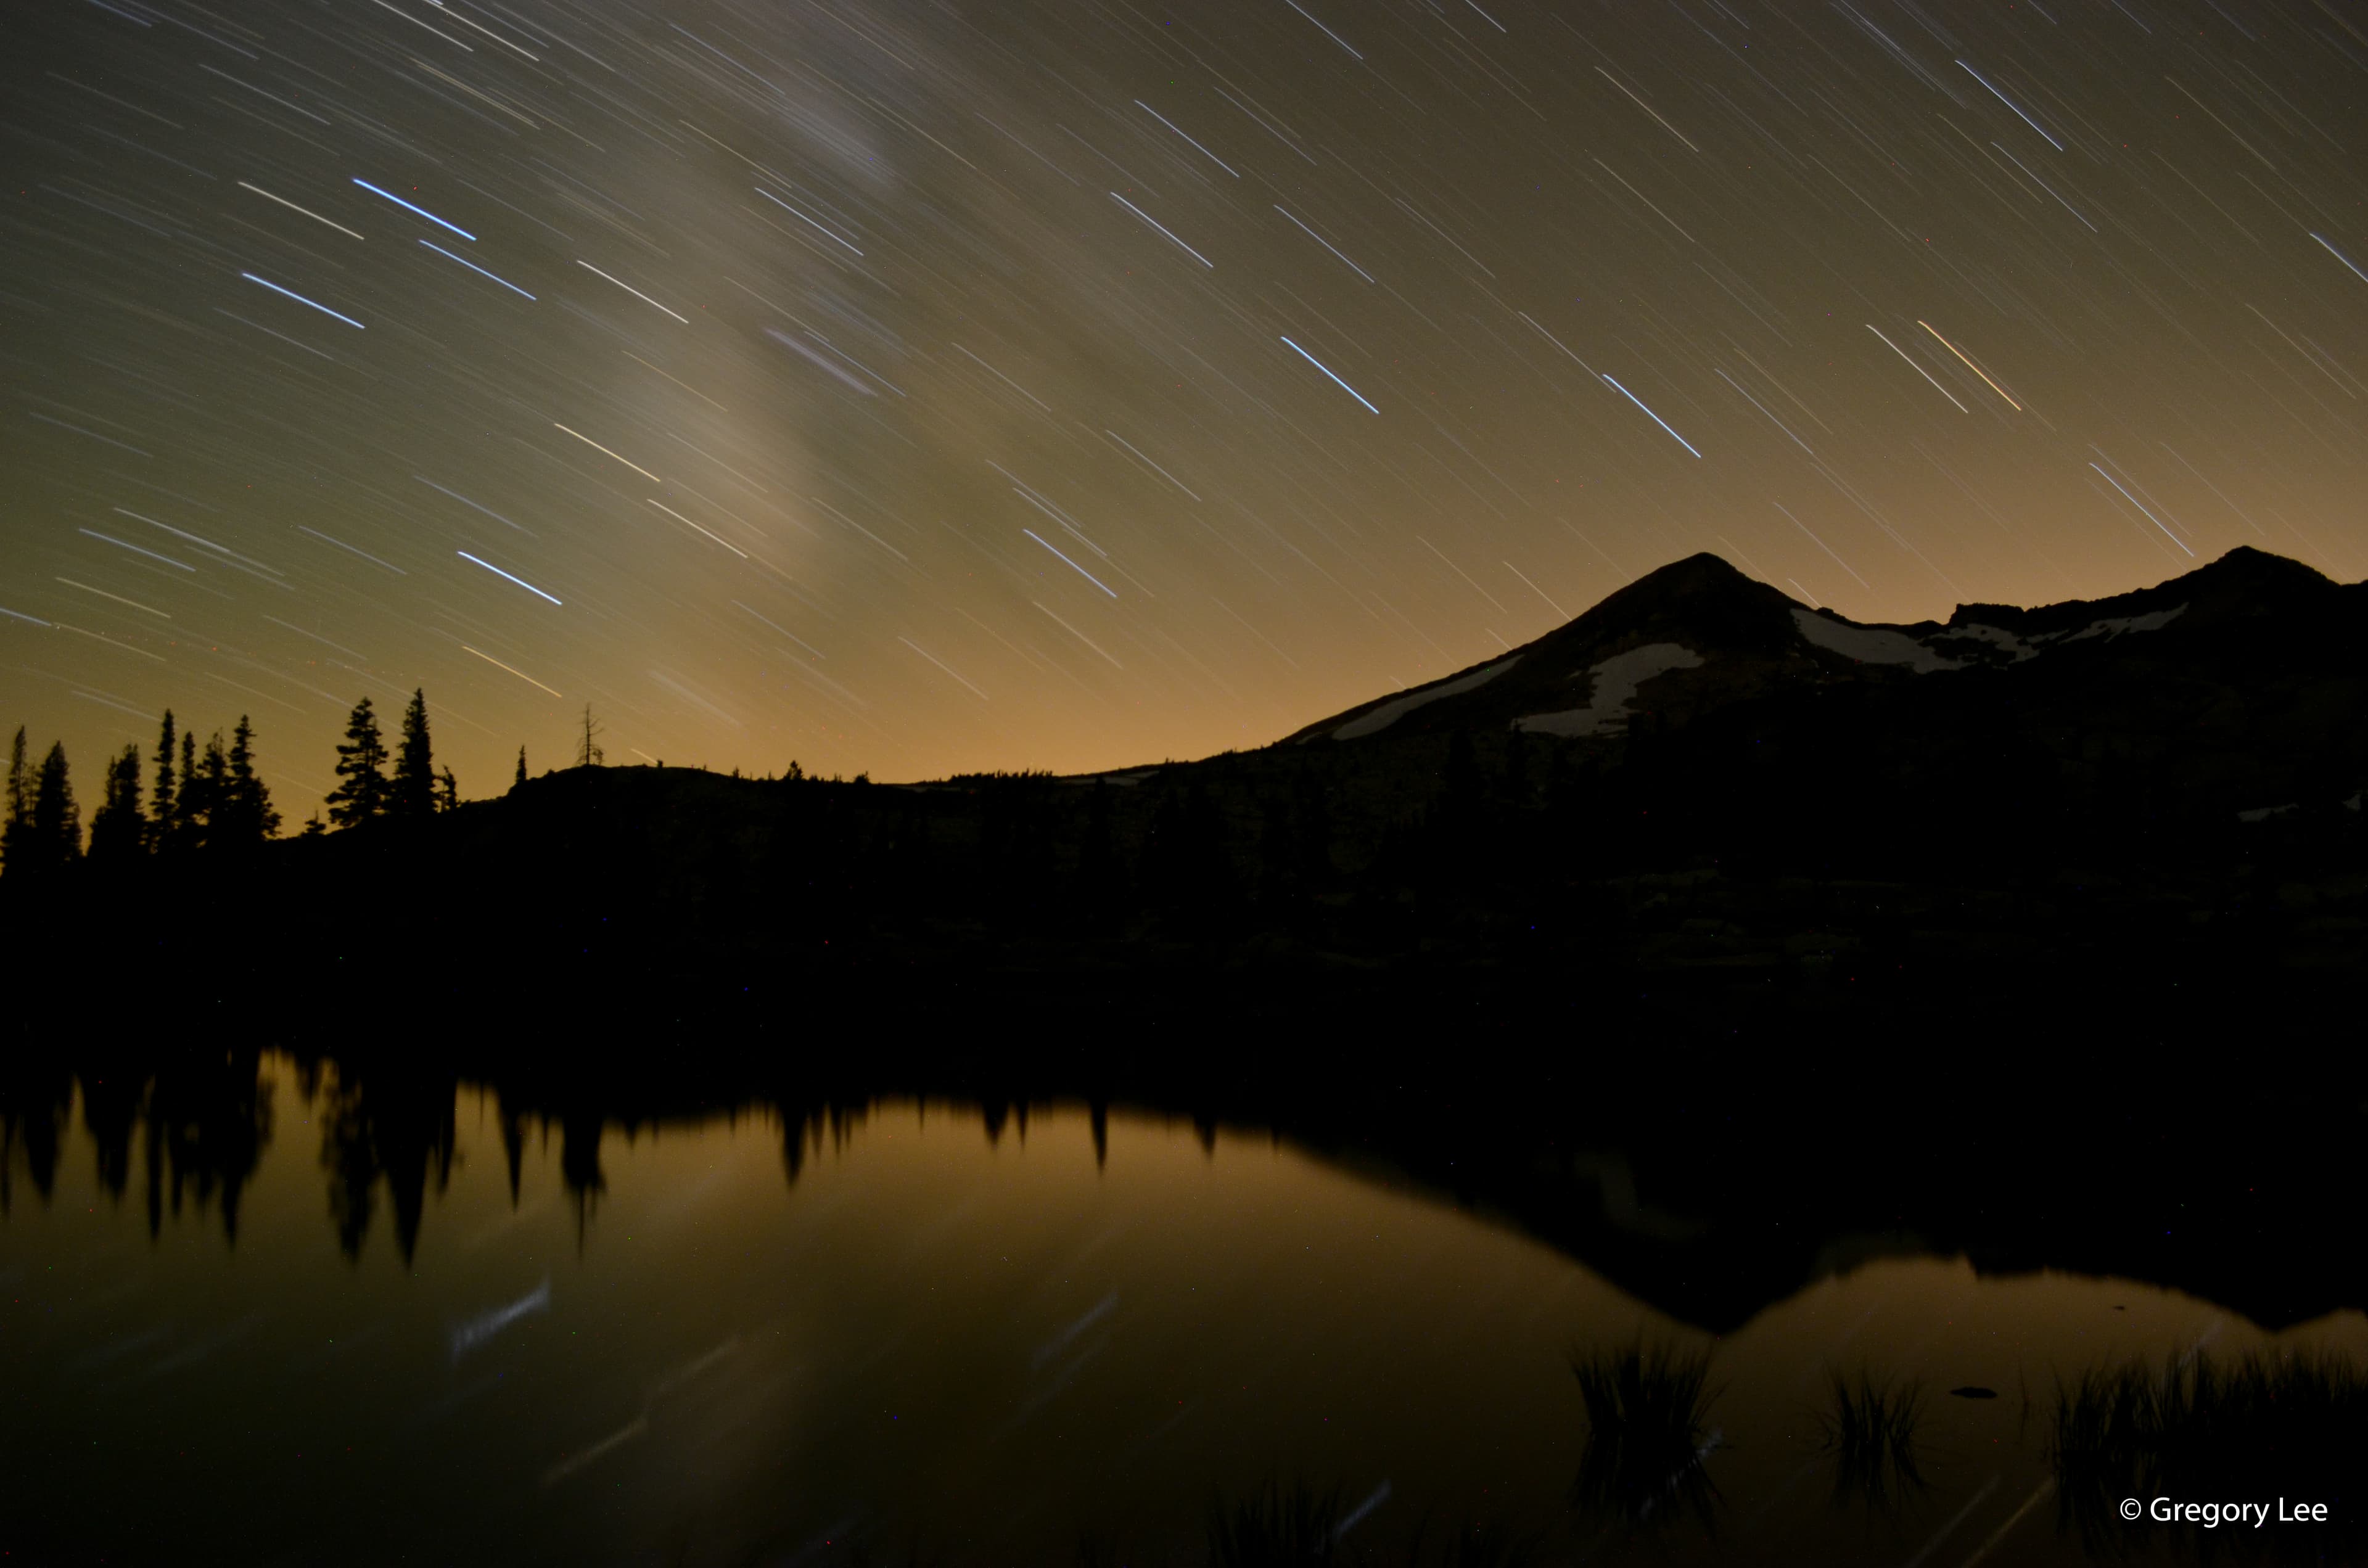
<point x="189" y="798"/>
<point x="246" y="815"/>
<point x="160" y="805"/>
<point x="360" y="794"/>
<point x="118" y="832"/>
<point x="17" y="836"/>
<point x="209" y="802"/>
<point x="57" y="822"/>
<point x="411" y="793"/>
<point x="448" y="792"/>
<point x="519" y="782"/>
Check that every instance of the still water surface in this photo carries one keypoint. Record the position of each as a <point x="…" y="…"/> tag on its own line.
<point x="906" y="1334"/>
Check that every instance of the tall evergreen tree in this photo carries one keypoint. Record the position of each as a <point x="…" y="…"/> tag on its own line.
<point x="246" y="814"/>
<point x="448" y="792"/>
<point x="57" y="822"/>
<point x="205" y="795"/>
<point x="215" y="772"/>
<point x="17" y="836"/>
<point x="411" y="793"/>
<point x="118" y="832"/>
<point x="189" y="798"/>
<point x="360" y="794"/>
<point x="519" y="782"/>
<point x="160" y="804"/>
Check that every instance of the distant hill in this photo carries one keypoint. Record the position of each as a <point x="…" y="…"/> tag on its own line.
<point x="1699" y="809"/>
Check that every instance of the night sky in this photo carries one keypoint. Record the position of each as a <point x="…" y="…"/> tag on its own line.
<point x="917" y="388"/>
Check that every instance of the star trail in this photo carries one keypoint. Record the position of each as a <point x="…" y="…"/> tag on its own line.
<point x="914" y="387"/>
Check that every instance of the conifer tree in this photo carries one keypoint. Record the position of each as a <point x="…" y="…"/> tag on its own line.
<point x="246" y="814"/>
<point x="519" y="782"/>
<point x="215" y="774"/>
<point x="57" y="822"/>
<point x="17" y="836"/>
<point x="188" y="799"/>
<point x="160" y="805"/>
<point x="205" y="798"/>
<point x="360" y="794"/>
<point x="411" y="793"/>
<point x="118" y="832"/>
<point x="448" y="792"/>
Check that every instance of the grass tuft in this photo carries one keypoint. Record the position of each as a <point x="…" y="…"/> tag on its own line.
<point x="1870" y="1431"/>
<point x="2259" y="1427"/>
<point x="1648" y="1435"/>
<point x="1275" y="1526"/>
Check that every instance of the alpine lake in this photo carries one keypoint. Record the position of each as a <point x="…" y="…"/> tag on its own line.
<point x="263" y="1315"/>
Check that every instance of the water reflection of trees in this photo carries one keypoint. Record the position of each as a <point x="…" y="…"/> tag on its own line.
<point x="199" y="1121"/>
<point x="35" y="1100"/>
<point x="192" y="1126"/>
<point x="210" y="1118"/>
<point x="387" y="1133"/>
<point x="393" y="1127"/>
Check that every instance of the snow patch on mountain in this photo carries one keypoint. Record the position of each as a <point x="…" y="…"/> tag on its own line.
<point x="1389" y="713"/>
<point x="1616" y="680"/>
<point x="1996" y="637"/>
<point x="1877" y="645"/>
<point x="2115" y="626"/>
<point x="1871" y="645"/>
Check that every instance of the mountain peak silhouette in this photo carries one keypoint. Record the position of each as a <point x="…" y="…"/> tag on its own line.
<point x="1697" y="635"/>
<point x="2246" y="572"/>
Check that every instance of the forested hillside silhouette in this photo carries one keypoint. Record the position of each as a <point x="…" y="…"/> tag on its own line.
<point x="2140" y="815"/>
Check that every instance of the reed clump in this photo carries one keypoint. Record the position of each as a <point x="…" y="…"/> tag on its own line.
<point x="1870" y="1430"/>
<point x="2201" y="1428"/>
<point x="1647" y="1434"/>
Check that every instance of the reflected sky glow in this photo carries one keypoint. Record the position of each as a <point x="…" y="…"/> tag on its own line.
<point x="981" y="1346"/>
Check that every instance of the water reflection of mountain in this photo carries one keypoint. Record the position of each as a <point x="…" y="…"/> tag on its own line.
<point x="1709" y="1205"/>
